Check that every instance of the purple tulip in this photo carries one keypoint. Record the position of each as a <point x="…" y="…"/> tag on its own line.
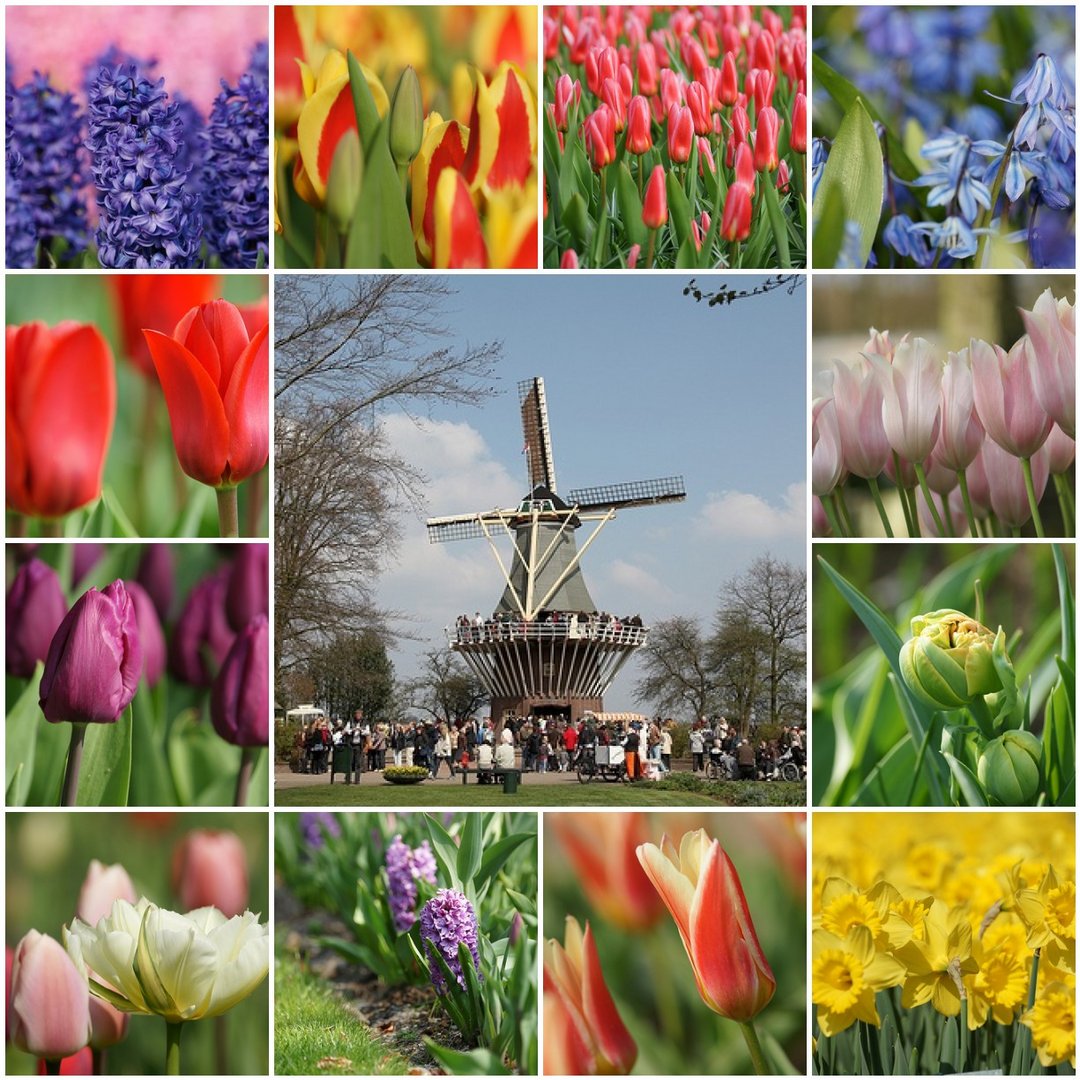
<point x="95" y="660"/>
<point x="151" y="636"/>
<point x="240" y="699"/>
<point x="447" y="921"/>
<point x="35" y="608"/>
<point x="249" y="585"/>
<point x="202" y="636"/>
<point x="156" y="574"/>
<point x="85" y="558"/>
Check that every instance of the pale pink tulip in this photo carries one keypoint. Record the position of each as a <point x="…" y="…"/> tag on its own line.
<point x="209" y="869"/>
<point x="1005" y="479"/>
<point x="911" y="408"/>
<point x="820" y="518"/>
<point x="879" y="344"/>
<point x="940" y="478"/>
<point x="961" y="432"/>
<point x="828" y="461"/>
<point x="102" y="885"/>
<point x="857" y="394"/>
<point x="109" y="1025"/>
<point x="926" y="518"/>
<point x="1005" y="397"/>
<point x="1060" y="451"/>
<point x="50" y="1000"/>
<point x="1051" y="329"/>
<point x="959" y="513"/>
<point x="977" y="484"/>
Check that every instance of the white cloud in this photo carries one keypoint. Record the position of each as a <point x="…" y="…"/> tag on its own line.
<point x="738" y="515"/>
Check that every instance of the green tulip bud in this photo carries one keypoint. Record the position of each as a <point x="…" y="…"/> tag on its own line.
<point x="406" y="119"/>
<point x="949" y="659"/>
<point x="1009" y="769"/>
<point x="344" y="180"/>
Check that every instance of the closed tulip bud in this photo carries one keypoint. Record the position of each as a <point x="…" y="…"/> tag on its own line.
<point x="151" y="636"/>
<point x="648" y="70"/>
<point x="961" y="434"/>
<point x="1051" y="327"/>
<point x="745" y="173"/>
<point x="108" y="1025"/>
<point x="654" y="210"/>
<point x="564" y="97"/>
<point x="705" y="157"/>
<point x="632" y="256"/>
<point x="783" y="177"/>
<point x="34" y="608"/>
<point x="740" y="125"/>
<point x="157" y="575"/>
<point x="697" y="100"/>
<point x="764" y="86"/>
<point x="798" y="124"/>
<point x="600" y="137"/>
<point x="729" y="81"/>
<point x="95" y="660"/>
<point x="672" y="89"/>
<point x="827" y="463"/>
<point x="248" y="593"/>
<point x="601" y="63"/>
<point x="738" y="209"/>
<point x="701" y="888"/>
<point x="50" y="1002"/>
<point x="240" y="698"/>
<point x="344" y="181"/>
<point x="102" y="886"/>
<point x="949" y="659"/>
<point x="569" y="260"/>
<point x="611" y="94"/>
<point x="209" y="869"/>
<point x="638" y="126"/>
<point x="202" y="636"/>
<point x="1005" y="397"/>
<point x="858" y="397"/>
<point x="911" y="410"/>
<point x="764" y="51"/>
<point x="406" y="119"/>
<point x="1009" y="768"/>
<point x="680" y="133"/>
<point x="583" y="1032"/>
<point x="1005" y="485"/>
<point x="765" y="136"/>
<point x="1060" y="451"/>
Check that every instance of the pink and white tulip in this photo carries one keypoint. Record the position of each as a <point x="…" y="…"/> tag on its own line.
<point x="50" y="1000"/>
<point x="961" y="433"/>
<point x="857" y="394"/>
<point x="911" y="406"/>
<point x="1005" y="480"/>
<point x="1051" y="328"/>
<point x="1005" y="397"/>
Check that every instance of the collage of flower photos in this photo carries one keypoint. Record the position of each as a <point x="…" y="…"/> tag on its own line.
<point x="540" y="539"/>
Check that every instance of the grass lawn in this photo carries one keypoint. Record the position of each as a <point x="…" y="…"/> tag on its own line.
<point x="316" y="1035"/>
<point x="703" y="793"/>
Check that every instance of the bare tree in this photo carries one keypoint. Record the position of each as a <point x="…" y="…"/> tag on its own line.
<point x="447" y="689"/>
<point x="679" y="676"/>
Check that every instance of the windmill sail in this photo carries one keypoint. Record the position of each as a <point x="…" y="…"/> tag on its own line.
<point x="534" y="424"/>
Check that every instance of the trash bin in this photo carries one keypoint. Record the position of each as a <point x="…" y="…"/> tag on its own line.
<point x="341" y="761"/>
<point x="511" y="778"/>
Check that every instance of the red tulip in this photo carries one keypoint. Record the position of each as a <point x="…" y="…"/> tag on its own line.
<point x="705" y="157"/>
<point x="729" y="81"/>
<point x="600" y="137"/>
<point x="600" y="63"/>
<point x="701" y="888"/>
<point x="783" y="177"/>
<point x="680" y="133"/>
<point x="638" y="126"/>
<point x="697" y="99"/>
<point x="60" y="406"/>
<point x="569" y="260"/>
<point x="672" y="89"/>
<point x="768" y="128"/>
<point x="564" y="95"/>
<point x="764" y="86"/>
<point x="654" y="210"/>
<point x="648" y="70"/>
<point x="744" y="166"/>
<point x="155" y="302"/>
<point x="798" y="124"/>
<point x="216" y="384"/>
<point x="611" y="95"/>
<point x="735" y="224"/>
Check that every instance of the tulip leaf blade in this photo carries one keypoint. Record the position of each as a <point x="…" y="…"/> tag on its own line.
<point x="629" y="206"/>
<point x="966" y="781"/>
<point x="123" y="523"/>
<point x="367" y="114"/>
<point x="105" y="776"/>
<point x="856" y="169"/>
<point x="470" y="849"/>
<point x="678" y="208"/>
<point x="380" y="236"/>
<point x="479" y="1062"/>
<point x="495" y="857"/>
<point x="444" y="850"/>
<point x="151" y="781"/>
<point x="20" y="740"/>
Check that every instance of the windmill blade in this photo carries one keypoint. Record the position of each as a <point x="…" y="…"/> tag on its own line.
<point x="534" y="424"/>
<point x="635" y="493"/>
<point x="458" y="527"/>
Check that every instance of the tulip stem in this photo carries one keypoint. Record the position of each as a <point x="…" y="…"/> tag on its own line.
<point x="757" y="1054"/>
<point x="1065" y="502"/>
<point x="652" y="249"/>
<point x="74" y="760"/>
<point x="842" y="507"/>
<point x="876" y="492"/>
<point x="969" y="510"/>
<point x="1029" y="484"/>
<point x="830" y="513"/>
<point x="228" y="516"/>
<point x="243" y="777"/>
<point x="52" y="1067"/>
<point x="98" y="1059"/>
<point x="929" y="497"/>
<point x="172" y="1048"/>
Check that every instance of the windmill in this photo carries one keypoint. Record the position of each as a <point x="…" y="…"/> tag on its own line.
<point x="546" y="649"/>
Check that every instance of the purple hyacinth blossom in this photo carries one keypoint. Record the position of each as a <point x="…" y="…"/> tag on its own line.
<point x="236" y="193"/>
<point x="202" y="636"/>
<point x="317" y="825"/>
<point x="240" y="698"/>
<point x="95" y="660"/>
<point x="148" y="217"/>
<point x="21" y="234"/>
<point x="406" y="866"/>
<point x="157" y="575"/>
<point x="249" y="585"/>
<point x="151" y="636"/>
<point x="35" y="607"/>
<point x="448" y="921"/>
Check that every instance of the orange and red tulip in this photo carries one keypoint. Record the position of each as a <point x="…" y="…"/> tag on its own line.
<point x="701" y="889"/>
<point x="583" y="1032"/>
<point x="60" y="407"/>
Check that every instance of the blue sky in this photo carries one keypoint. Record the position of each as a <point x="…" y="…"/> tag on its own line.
<point x="641" y="382"/>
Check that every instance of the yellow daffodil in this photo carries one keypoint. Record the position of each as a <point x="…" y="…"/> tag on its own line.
<point x="1052" y="1021"/>
<point x="935" y="965"/>
<point x="846" y="974"/>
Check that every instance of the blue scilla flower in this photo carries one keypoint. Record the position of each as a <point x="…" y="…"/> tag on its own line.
<point x="902" y="235"/>
<point x="148" y="216"/>
<point x="819" y="154"/>
<point x="234" y="175"/>
<point x="953" y="180"/>
<point x="951" y="53"/>
<point x="46" y="132"/>
<point x="1042" y="82"/>
<point x="954" y="237"/>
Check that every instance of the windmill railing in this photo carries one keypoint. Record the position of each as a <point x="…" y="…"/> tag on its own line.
<point x="614" y="631"/>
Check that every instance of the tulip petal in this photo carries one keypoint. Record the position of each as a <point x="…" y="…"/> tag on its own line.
<point x="247" y="402"/>
<point x="200" y="429"/>
<point x="502" y="131"/>
<point x="615" y="1042"/>
<point x="325" y="118"/>
<point x="567" y="1049"/>
<point x="672" y="885"/>
<point x="443" y="147"/>
<point x="459" y="239"/>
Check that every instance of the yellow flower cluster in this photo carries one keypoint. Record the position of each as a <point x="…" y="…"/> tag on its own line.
<point x="947" y="907"/>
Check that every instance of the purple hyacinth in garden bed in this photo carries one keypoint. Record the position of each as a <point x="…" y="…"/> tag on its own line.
<point x="317" y="825"/>
<point x="448" y="921"/>
<point x="406" y="866"/>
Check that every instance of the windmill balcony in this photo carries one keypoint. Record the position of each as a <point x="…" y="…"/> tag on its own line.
<point x="614" y="631"/>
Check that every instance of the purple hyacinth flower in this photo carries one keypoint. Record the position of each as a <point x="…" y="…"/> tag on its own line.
<point x="151" y="636"/>
<point x="406" y="866"/>
<point x="95" y="660"/>
<point x="249" y="585"/>
<point x="240" y="699"/>
<point x="35" y="607"/>
<point x="447" y="921"/>
<point x="317" y="825"/>
<point x="202" y="636"/>
<point x="21" y="234"/>
<point x="157" y="575"/>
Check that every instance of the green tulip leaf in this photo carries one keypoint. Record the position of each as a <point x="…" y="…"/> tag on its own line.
<point x="105" y="773"/>
<point x="471" y="848"/>
<point x="20" y="740"/>
<point x="629" y="206"/>
<point x="968" y="783"/>
<point x="496" y="855"/>
<point x="151" y="781"/>
<point x="381" y="234"/>
<point x="367" y="115"/>
<point x="480" y="1062"/>
<point x="678" y="208"/>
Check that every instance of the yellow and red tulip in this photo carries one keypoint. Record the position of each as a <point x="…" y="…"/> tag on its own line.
<point x="443" y="147"/>
<point x="459" y="236"/>
<point x="510" y="228"/>
<point x="701" y="888"/>
<point x="502" y="131"/>
<point x="583" y="1032"/>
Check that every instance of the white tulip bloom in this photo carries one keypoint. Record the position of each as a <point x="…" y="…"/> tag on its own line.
<point x="145" y="959"/>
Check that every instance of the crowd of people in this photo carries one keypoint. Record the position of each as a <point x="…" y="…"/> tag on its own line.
<point x="510" y="626"/>
<point x="742" y="757"/>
